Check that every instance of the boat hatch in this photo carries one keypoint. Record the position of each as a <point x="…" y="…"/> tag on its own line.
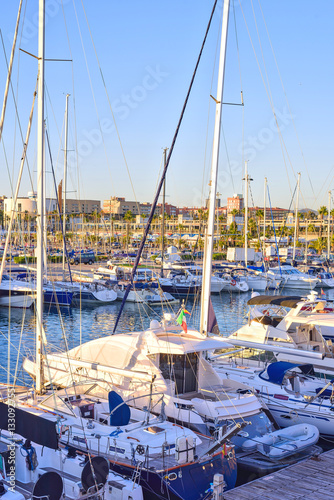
<point x="181" y="369"/>
<point x="154" y="429"/>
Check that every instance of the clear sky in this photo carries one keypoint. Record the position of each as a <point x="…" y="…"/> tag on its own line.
<point x="147" y="52"/>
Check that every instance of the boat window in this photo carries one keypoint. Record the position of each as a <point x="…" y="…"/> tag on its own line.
<point x="182" y="369"/>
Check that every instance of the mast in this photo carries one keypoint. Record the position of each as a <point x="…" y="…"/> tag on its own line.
<point x="40" y="196"/>
<point x="329" y="226"/>
<point x="163" y="217"/>
<point x="305" y="258"/>
<point x="296" y="218"/>
<point x="246" y="213"/>
<point x="207" y="264"/>
<point x="65" y="178"/>
<point x="264" y="217"/>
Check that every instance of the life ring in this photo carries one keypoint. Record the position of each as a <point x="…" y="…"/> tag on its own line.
<point x="233" y="282"/>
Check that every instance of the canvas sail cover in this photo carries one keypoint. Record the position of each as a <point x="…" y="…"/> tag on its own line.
<point x="37" y="429"/>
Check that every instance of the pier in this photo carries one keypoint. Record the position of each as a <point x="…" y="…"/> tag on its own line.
<point x="308" y="480"/>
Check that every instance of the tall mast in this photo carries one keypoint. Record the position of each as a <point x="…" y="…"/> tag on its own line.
<point x="296" y="218"/>
<point x="207" y="264"/>
<point x="65" y="178"/>
<point x="264" y="216"/>
<point x="329" y="226"/>
<point x="163" y="217"/>
<point x="40" y="196"/>
<point x="246" y="213"/>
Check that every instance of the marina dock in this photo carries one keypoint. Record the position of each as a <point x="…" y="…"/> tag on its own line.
<point x="308" y="480"/>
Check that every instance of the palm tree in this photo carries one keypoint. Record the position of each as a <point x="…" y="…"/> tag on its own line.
<point x="128" y="217"/>
<point x="252" y="227"/>
<point x="320" y="245"/>
<point x="180" y="228"/>
<point x="322" y="212"/>
<point x="234" y="213"/>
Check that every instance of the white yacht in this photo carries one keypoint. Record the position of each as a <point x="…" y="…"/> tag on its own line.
<point x="293" y="278"/>
<point x="291" y="327"/>
<point x="181" y="383"/>
<point x="195" y="274"/>
<point x="292" y="393"/>
<point x="14" y="293"/>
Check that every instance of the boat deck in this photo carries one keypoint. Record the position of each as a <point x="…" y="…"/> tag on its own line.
<point x="308" y="480"/>
<point x="154" y="460"/>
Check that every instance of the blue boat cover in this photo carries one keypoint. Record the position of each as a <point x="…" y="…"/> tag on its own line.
<point x="327" y="393"/>
<point x="121" y="416"/>
<point x="275" y="372"/>
<point x="256" y="268"/>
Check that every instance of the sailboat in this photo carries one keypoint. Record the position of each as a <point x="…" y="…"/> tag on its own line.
<point x="166" y="459"/>
<point x="170" y="461"/>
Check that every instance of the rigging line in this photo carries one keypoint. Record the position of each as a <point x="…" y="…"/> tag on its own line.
<point x="266" y="90"/>
<point x="262" y="55"/>
<point x="228" y="159"/>
<point x="111" y="110"/>
<point x="282" y="230"/>
<point x="286" y="97"/>
<point x="9" y="68"/>
<point x="147" y="228"/>
<point x="19" y="348"/>
<point x="241" y="87"/>
<point x="74" y="113"/>
<point x="268" y="86"/>
<point x="58" y="207"/>
<point x="93" y="95"/>
<point x="60" y="134"/>
<point x="325" y="184"/>
<point x="16" y="111"/>
<point x="17" y="83"/>
<point x="228" y="397"/>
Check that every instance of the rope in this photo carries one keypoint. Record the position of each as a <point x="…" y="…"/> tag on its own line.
<point x="147" y="228"/>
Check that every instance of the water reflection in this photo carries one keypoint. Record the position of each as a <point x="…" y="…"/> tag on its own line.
<point x="70" y="326"/>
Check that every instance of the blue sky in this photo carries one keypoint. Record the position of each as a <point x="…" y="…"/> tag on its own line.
<point x="147" y="51"/>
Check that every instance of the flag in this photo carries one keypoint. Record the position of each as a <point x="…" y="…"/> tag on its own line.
<point x="181" y="319"/>
<point x="212" y="320"/>
<point x="322" y="292"/>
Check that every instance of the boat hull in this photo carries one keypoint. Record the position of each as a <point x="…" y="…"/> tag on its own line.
<point x="16" y="298"/>
<point x="58" y="297"/>
<point x="187" y="482"/>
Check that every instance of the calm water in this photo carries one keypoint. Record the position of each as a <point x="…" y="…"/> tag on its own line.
<point x="74" y="325"/>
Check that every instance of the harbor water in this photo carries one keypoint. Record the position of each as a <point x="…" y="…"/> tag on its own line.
<point x="67" y="327"/>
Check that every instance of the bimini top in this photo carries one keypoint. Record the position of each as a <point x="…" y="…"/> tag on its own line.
<point x="275" y="300"/>
<point x="275" y="372"/>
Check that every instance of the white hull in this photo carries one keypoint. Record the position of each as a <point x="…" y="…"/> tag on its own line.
<point x="146" y="297"/>
<point x="20" y="301"/>
<point x="236" y="288"/>
<point x="326" y="283"/>
<point x="300" y="284"/>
